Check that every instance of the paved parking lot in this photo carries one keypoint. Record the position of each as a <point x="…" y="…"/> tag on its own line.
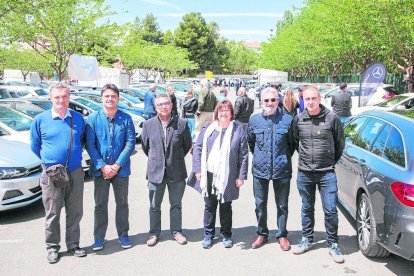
<point x="22" y="249"/>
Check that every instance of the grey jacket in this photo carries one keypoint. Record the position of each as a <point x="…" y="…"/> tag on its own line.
<point x="166" y="161"/>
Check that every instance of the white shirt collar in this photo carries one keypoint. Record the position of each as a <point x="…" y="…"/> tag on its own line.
<point x="54" y="114"/>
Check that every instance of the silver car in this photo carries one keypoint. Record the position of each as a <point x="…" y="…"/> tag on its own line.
<point x="20" y="172"/>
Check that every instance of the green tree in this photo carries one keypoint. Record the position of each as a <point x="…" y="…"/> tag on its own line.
<point x="64" y="24"/>
<point x="241" y="60"/>
<point x="199" y="39"/>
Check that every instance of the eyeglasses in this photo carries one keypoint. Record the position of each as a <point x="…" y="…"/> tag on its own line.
<point x="163" y="104"/>
<point x="270" y="100"/>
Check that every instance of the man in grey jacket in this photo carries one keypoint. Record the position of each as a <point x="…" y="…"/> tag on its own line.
<point x="166" y="140"/>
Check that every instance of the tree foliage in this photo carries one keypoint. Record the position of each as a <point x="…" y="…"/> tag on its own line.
<point x="66" y="25"/>
<point x="330" y="37"/>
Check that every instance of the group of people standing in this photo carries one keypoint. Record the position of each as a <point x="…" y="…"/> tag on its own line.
<point x="224" y="135"/>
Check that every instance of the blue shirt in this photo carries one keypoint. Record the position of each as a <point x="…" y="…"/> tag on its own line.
<point x="50" y="137"/>
<point x="149" y="104"/>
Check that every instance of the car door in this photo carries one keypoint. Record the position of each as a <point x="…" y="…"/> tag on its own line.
<point x="348" y="165"/>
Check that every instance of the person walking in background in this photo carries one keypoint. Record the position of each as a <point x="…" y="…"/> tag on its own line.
<point x="110" y="141"/>
<point x="173" y="98"/>
<point x="318" y="137"/>
<point x="243" y="108"/>
<point x="207" y="101"/>
<point x="270" y="141"/>
<point x="290" y="104"/>
<point x="166" y="140"/>
<point x="189" y="108"/>
<point x="149" y="101"/>
<point x="220" y="162"/>
<point x="56" y="137"/>
<point x="342" y="103"/>
<point x="223" y="94"/>
<point x="300" y="98"/>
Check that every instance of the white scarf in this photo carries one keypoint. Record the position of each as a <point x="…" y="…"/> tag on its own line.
<point x="220" y="157"/>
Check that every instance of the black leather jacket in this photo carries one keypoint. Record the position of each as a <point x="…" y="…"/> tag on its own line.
<point x="341" y="104"/>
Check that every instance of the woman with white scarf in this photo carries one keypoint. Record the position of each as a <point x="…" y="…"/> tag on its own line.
<point x="220" y="161"/>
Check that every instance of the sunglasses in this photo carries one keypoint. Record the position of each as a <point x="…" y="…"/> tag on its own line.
<point x="270" y="100"/>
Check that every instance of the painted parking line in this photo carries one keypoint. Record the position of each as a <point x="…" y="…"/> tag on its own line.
<point x="12" y="241"/>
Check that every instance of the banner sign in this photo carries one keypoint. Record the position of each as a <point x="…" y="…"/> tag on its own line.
<point x="373" y="76"/>
<point x="83" y="68"/>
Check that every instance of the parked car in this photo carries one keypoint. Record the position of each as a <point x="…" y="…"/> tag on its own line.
<point x="383" y="92"/>
<point x="27" y="91"/>
<point x="31" y="107"/>
<point x="20" y="172"/>
<point x="14" y="125"/>
<point x="376" y="181"/>
<point x="139" y="93"/>
<point x="400" y="102"/>
<point x="5" y="94"/>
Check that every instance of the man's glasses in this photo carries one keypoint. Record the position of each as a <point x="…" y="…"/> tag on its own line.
<point x="163" y="104"/>
<point x="270" y="100"/>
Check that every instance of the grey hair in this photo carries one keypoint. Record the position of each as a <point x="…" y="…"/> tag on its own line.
<point x="152" y="85"/>
<point x="163" y="95"/>
<point x="270" y="90"/>
<point x="59" y="85"/>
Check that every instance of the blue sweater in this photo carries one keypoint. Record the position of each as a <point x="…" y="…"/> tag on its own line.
<point x="50" y="137"/>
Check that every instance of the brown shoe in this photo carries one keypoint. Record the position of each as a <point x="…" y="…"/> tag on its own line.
<point x="152" y="240"/>
<point x="284" y="243"/>
<point x="259" y="242"/>
<point x="180" y="238"/>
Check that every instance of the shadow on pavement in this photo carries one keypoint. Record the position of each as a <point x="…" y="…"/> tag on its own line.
<point x="27" y="213"/>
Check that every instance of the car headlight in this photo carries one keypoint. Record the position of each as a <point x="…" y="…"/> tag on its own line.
<point x="11" y="172"/>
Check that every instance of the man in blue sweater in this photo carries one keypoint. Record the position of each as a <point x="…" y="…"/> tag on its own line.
<point x="149" y="101"/>
<point x="50" y="141"/>
<point x="110" y="141"/>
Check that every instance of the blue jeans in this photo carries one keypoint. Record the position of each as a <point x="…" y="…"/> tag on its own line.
<point x="156" y="194"/>
<point x="328" y="190"/>
<point x="281" y="188"/>
<point x="191" y="126"/>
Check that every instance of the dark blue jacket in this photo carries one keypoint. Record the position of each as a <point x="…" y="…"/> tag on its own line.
<point x="149" y="104"/>
<point x="270" y="141"/>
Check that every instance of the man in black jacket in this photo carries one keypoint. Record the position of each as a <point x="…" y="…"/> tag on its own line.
<point x="342" y="103"/>
<point x="319" y="139"/>
<point x="243" y="108"/>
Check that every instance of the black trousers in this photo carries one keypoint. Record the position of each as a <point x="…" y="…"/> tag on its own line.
<point x="210" y="210"/>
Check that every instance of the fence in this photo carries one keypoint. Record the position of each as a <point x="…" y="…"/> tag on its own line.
<point x="398" y="80"/>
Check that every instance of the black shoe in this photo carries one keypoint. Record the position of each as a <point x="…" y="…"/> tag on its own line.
<point x="53" y="257"/>
<point x="77" y="252"/>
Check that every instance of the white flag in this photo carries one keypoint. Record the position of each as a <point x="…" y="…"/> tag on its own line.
<point x="83" y="68"/>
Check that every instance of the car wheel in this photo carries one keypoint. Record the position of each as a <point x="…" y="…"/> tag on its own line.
<point x="367" y="230"/>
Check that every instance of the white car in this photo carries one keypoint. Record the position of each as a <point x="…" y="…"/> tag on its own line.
<point x="20" y="172"/>
<point x="399" y="102"/>
<point x="15" y="126"/>
<point x="26" y="91"/>
<point x="383" y="92"/>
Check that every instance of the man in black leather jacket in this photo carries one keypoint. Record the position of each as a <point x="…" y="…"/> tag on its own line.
<point x="342" y="103"/>
<point x="318" y="137"/>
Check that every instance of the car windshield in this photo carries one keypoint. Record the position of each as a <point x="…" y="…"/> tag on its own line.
<point x="393" y="101"/>
<point x="14" y="120"/>
<point x="91" y="104"/>
<point x="44" y="104"/>
<point x="131" y="99"/>
<point x="41" y="92"/>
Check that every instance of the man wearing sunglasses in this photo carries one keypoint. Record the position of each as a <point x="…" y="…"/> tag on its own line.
<point x="270" y="141"/>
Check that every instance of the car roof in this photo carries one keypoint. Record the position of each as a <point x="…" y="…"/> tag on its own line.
<point x="401" y="118"/>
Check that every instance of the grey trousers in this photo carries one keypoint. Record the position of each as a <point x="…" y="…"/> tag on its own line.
<point x="156" y="194"/>
<point x="120" y="187"/>
<point x="54" y="199"/>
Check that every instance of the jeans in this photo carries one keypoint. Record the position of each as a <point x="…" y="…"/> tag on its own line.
<point x="120" y="187"/>
<point x="328" y="190"/>
<point x="210" y="210"/>
<point x="281" y="188"/>
<point x="156" y="194"/>
<point x="191" y="126"/>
